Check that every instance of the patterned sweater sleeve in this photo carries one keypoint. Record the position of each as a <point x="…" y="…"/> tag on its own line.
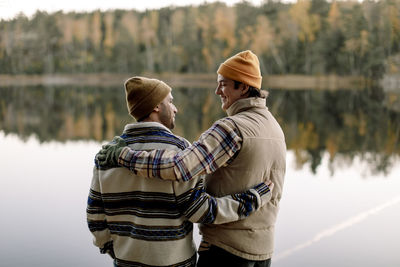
<point x="215" y="148"/>
<point x="96" y="218"/>
<point x="200" y="207"/>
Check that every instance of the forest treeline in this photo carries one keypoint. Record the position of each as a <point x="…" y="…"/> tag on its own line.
<point x="313" y="37"/>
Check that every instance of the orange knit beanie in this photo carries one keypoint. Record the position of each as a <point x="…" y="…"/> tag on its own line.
<point x="243" y="67"/>
<point x="143" y="95"/>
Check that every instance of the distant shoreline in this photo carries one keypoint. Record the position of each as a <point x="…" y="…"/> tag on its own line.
<point x="192" y="80"/>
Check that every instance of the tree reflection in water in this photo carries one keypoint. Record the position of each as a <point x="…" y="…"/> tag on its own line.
<point x="344" y="123"/>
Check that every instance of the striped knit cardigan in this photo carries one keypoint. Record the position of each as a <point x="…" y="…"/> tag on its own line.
<point x="149" y="222"/>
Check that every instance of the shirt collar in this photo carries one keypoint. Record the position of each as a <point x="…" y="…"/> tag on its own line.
<point x="146" y="124"/>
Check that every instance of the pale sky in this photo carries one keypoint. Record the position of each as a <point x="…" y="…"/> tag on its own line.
<point x="10" y="8"/>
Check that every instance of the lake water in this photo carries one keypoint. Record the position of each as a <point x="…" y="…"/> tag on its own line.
<point x="341" y="202"/>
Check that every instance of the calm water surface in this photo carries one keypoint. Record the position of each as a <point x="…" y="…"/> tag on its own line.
<point x="341" y="202"/>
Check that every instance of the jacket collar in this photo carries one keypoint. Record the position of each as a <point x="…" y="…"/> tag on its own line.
<point x="245" y="104"/>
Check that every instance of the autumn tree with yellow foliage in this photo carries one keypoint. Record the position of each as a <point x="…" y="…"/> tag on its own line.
<point x="312" y="37"/>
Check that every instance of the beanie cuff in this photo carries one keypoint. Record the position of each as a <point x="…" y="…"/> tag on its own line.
<point x="240" y="76"/>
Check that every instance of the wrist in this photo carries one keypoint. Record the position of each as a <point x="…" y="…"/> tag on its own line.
<point x="120" y="154"/>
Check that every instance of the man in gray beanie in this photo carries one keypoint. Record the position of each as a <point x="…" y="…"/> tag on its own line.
<point x="149" y="222"/>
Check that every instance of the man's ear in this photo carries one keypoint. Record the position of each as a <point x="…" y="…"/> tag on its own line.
<point x="245" y="89"/>
<point x="157" y="108"/>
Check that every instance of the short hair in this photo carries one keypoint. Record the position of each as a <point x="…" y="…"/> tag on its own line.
<point x="253" y="92"/>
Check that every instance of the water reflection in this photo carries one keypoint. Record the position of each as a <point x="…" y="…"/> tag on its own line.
<point x="323" y="221"/>
<point x="346" y="124"/>
<point x="343" y="123"/>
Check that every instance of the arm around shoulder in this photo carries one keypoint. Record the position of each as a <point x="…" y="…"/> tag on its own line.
<point x="200" y="207"/>
<point x="214" y="149"/>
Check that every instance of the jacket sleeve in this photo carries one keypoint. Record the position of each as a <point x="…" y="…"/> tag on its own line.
<point x="96" y="219"/>
<point x="199" y="207"/>
<point x="215" y="148"/>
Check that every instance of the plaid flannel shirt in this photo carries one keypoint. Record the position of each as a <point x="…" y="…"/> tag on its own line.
<point x="215" y="148"/>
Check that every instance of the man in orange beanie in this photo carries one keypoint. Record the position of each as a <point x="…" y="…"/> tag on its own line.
<point x="246" y="147"/>
<point x="146" y="222"/>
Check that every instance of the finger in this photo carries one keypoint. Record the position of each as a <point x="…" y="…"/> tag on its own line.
<point x="103" y="151"/>
<point x="271" y="186"/>
<point x="100" y="157"/>
<point x="116" y="138"/>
